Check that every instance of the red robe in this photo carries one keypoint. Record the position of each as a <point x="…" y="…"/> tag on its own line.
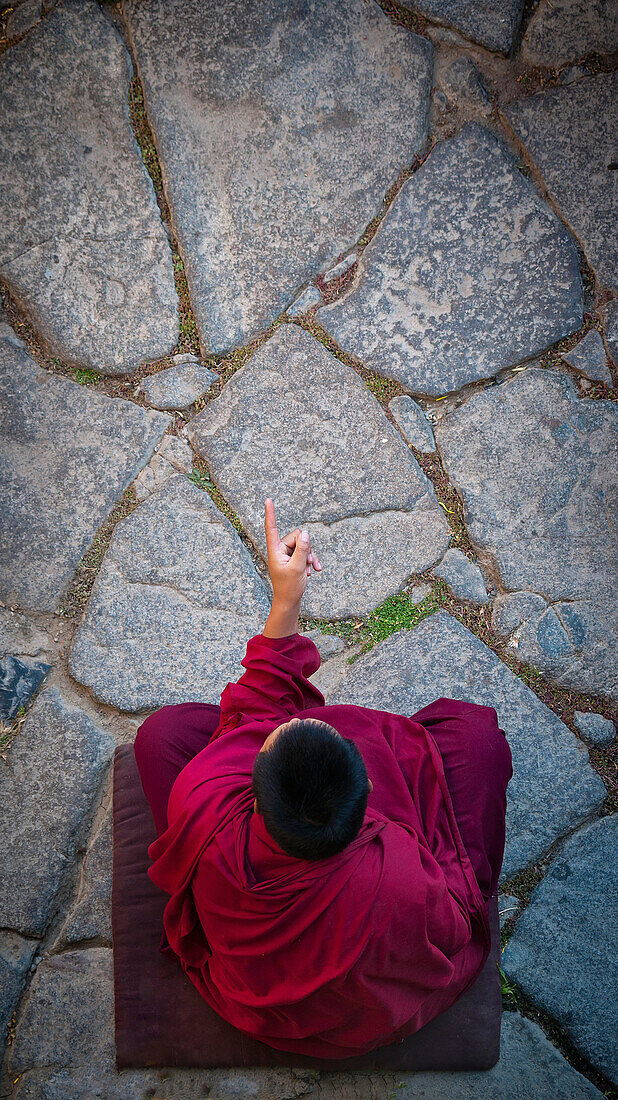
<point x="330" y="958"/>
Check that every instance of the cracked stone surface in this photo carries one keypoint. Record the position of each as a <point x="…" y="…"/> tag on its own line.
<point x="331" y="462"/>
<point x="23" y="18"/>
<point x="536" y="467"/>
<point x="469" y="273"/>
<point x="19" y="680"/>
<point x="175" y="572"/>
<point x="81" y="241"/>
<point x="570" y="30"/>
<point x="462" y="83"/>
<point x="570" y="133"/>
<point x="67" y="454"/>
<point x="91" y="916"/>
<point x="19" y="635"/>
<point x="553" y="786"/>
<point x="463" y="577"/>
<point x="492" y="23"/>
<point x="595" y="728"/>
<point x="561" y="950"/>
<point x="413" y="423"/>
<point x="589" y="357"/>
<point x="280" y="129"/>
<point x="179" y="386"/>
<point x="16" y="954"/>
<point x="47" y="785"/>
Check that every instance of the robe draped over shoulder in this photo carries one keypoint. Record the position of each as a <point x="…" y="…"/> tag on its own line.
<point x="329" y="958"/>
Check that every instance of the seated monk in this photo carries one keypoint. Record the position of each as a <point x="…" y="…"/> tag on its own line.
<point x="328" y="866"/>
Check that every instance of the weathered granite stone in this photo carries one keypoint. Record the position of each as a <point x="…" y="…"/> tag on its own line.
<point x="492" y="23"/>
<point x="296" y="424"/>
<point x="553" y="786"/>
<point x="173" y="454"/>
<point x="23" y="18"/>
<point x="508" y="907"/>
<point x="19" y="635"/>
<point x="341" y="268"/>
<point x="463" y="577"/>
<point x="589" y="357"/>
<point x="75" y="991"/>
<point x="413" y="423"/>
<point x="568" y="30"/>
<point x="469" y="272"/>
<point x="18" y="682"/>
<point x="419" y="592"/>
<point x="15" y="957"/>
<point x="172" y="609"/>
<point x="46" y="789"/>
<point x="81" y="241"/>
<point x="177" y="387"/>
<point x="66" y="454"/>
<point x="595" y="728"/>
<point x="328" y="644"/>
<point x="91" y="916"/>
<point x="536" y="467"/>
<point x="461" y="81"/>
<point x="570" y="133"/>
<point x="309" y="298"/>
<point x="177" y="452"/>
<point x="279" y="128"/>
<point x="610" y="317"/>
<point x="561" y="951"/>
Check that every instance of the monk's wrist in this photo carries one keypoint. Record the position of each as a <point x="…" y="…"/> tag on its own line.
<point x="283" y="618"/>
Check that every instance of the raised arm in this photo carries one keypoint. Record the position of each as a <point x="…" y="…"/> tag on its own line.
<point x="290" y="561"/>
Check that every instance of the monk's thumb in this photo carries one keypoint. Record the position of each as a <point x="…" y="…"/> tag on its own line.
<point x="301" y="549"/>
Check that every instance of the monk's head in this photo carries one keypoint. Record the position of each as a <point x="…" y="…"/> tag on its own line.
<point x="311" y="787"/>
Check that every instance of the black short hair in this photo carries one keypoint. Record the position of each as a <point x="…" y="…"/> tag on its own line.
<point x="311" y="788"/>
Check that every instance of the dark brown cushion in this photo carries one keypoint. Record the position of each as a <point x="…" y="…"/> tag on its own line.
<point x="161" y="1020"/>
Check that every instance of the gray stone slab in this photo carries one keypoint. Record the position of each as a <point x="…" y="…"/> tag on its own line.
<point x="280" y="129"/>
<point x="18" y="682"/>
<point x="463" y="577"/>
<point x="328" y="644"/>
<point x="82" y="245"/>
<point x="462" y="83"/>
<point x="177" y="387"/>
<point x="571" y="134"/>
<point x="570" y="30"/>
<point x="23" y="18"/>
<point x="492" y="23"/>
<point x="469" y="273"/>
<point x="610" y="318"/>
<point x="595" y="728"/>
<point x="91" y="915"/>
<point x="413" y="423"/>
<point x="67" y="454"/>
<point x="553" y="786"/>
<point x="18" y="634"/>
<point x="299" y="426"/>
<point x="309" y="298"/>
<point x="590" y="358"/>
<point x="16" y="954"/>
<point x="563" y="948"/>
<point x="536" y="467"/>
<point x="53" y="769"/>
<point x="173" y="607"/>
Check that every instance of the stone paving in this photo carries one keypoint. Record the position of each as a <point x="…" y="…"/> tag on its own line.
<point x="361" y="258"/>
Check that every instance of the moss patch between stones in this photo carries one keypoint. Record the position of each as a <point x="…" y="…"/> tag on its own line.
<point x="87" y="569"/>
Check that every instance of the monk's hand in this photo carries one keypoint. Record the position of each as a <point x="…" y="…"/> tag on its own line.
<point x="290" y="560"/>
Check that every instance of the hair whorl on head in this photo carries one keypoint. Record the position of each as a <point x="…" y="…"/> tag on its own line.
<point x="311" y="787"/>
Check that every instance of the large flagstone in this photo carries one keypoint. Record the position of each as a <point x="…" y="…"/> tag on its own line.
<point x="553" y="786"/>
<point x="67" y="453"/>
<point x="173" y="607"/>
<point x="493" y="23"/>
<point x="569" y="30"/>
<point x="47" y="784"/>
<point x="570" y="133"/>
<point x="280" y="127"/>
<point x="299" y="426"/>
<point x="537" y="467"/>
<point x="469" y="273"/>
<point x="82" y="245"/>
<point x="564" y="946"/>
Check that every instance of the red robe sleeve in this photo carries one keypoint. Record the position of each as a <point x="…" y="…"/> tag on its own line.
<point x="276" y="683"/>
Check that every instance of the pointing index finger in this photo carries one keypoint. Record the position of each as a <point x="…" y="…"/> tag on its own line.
<point x="270" y="525"/>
